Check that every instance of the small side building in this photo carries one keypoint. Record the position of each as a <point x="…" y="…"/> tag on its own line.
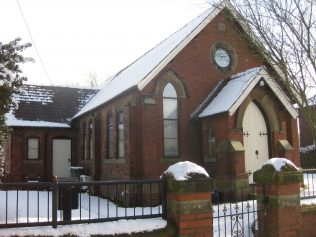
<point x="42" y="142"/>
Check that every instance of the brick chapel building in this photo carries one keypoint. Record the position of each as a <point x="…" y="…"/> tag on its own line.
<point x="204" y="94"/>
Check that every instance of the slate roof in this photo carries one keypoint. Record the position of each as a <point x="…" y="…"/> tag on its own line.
<point x="44" y="106"/>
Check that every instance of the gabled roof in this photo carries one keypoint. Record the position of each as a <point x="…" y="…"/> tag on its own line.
<point x="143" y="70"/>
<point x="230" y="97"/>
<point x="47" y="106"/>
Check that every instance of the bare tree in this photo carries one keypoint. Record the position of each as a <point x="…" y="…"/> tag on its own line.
<point x="284" y="32"/>
<point x="91" y="79"/>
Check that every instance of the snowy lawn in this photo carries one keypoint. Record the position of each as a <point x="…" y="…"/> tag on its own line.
<point x="36" y="206"/>
<point x="39" y="209"/>
<point x="86" y="230"/>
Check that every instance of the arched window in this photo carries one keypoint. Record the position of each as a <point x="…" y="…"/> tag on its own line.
<point x="90" y="144"/>
<point x="170" y="121"/>
<point x="109" y="137"/>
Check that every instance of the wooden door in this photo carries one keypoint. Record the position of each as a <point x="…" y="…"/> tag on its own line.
<point x="61" y="157"/>
<point x="255" y="139"/>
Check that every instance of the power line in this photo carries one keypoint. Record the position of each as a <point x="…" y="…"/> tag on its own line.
<point x="33" y="42"/>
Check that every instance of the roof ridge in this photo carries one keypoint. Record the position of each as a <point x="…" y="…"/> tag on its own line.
<point x="160" y="43"/>
<point x="60" y="86"/>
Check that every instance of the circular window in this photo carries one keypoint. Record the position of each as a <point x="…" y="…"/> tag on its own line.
<point x="222" y="58"/>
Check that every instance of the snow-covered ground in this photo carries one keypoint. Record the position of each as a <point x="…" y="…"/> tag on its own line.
<point x="36" y="206"/>
<point x="86" y="230"/>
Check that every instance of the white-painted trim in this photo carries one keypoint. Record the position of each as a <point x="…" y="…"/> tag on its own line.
<point x="274" y="87"/>
<point x="243" y="96"/>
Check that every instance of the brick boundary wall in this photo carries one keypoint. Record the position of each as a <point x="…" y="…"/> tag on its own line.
<point x="308" y="221"/>
<point x="282" y="216"/>
<point x="189" y="207"/>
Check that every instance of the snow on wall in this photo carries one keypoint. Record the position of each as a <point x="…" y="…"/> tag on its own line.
<point x="181" y="170"/>
<point x="279" y="163"/>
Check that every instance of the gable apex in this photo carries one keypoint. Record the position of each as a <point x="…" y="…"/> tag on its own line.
<point x="231" y="96"/>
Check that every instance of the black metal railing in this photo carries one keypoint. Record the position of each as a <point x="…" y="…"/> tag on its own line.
<point x="235" y="212"/>
<point x="60" y="203"/>
<point x="308" y="189"/>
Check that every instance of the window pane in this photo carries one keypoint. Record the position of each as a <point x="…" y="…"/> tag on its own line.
<point x="171" y="147"/>
<point x="33" y="154"/>
<point x="170" y="110"/>
<point x="33" y="143"/>
<point x="169" y="91"/>
<point x="170" y="116"/>
<point x="170" y="128"/>
<point x="121" y="149"/>
<point x="121" y="117"/>
<point x="120" y="138"/>
<point x="211" y="142"/>
<point x="121" y="132"/>
<point x="109" y="136"/>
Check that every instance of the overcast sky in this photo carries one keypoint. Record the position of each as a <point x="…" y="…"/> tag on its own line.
<point x="75" y="37"/>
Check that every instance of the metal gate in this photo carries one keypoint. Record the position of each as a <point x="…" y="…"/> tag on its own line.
<point x="235" y="213"/>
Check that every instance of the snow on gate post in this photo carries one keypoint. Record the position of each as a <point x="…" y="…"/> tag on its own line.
<point x="281" y="179"/>
<point x="189" y="199"/>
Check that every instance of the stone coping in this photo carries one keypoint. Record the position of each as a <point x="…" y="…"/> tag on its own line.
<point x="268" y="175"/>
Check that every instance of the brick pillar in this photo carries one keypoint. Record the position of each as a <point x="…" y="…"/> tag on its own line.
<point x="189" y="206"/>
<point x="282" y="216"/>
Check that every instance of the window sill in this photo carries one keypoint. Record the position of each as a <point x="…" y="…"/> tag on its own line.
<point x="115" y="161"/>
<point x="209" y="159"/>
<point x="169" y="159"/>
<point x="33" y="161"/>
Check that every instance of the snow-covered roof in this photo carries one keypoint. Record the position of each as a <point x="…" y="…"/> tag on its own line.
<point x="11" y="121"/>
<point x="144" y="69"/>
<point x="50" y="106"/>
<point x="238" y="88"/>
<point x="182" y="170"/>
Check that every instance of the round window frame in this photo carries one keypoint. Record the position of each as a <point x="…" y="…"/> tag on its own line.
<point x="231" y="53"/>
<point x="220" y="62"/>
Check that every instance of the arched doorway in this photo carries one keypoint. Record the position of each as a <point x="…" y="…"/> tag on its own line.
<point x="256" y="137"/>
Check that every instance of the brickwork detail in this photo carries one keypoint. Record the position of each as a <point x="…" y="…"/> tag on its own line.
<point x="189" y="207"/>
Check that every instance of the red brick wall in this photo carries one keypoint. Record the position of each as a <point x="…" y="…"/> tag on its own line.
<point x="306" y="136"/>
<point x="199" y="75"/>
<point x="16" y="153"/>
<point x="101" y="167"/>
<point x="308" y="222"/>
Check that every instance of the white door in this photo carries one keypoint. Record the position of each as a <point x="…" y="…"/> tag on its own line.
<point x="61" y="157"/>
<point x="255" y="139"/>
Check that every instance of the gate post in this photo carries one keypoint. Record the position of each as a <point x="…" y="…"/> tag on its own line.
<point x="280" y="198"/>
<point x="189" y="205"/>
